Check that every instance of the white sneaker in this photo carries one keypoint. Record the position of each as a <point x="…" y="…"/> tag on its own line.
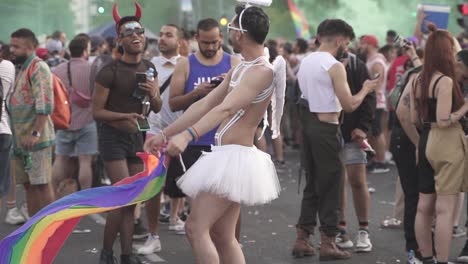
<point x="24" y="211"/>
<point x="363" y="243"/>
<point x="178" y="227"/>
<point x="14" y="217"/>
<point x="343" y="241"/>
<point x="152" y="244"/>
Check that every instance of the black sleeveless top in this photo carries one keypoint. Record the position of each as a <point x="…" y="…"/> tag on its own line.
<point x="432" y="104"/>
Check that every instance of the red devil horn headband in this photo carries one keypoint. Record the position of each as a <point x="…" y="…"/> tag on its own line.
<point x="116" y="14"/>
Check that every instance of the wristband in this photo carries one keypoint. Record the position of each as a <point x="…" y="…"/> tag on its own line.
<point x="416" y="58"/>
<point x="193" y="133"/>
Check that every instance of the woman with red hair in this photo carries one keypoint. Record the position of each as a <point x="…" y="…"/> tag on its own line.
<point x="437" y="105"/>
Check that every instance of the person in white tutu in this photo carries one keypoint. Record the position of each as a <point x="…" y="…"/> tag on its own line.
<point x="235" y="172"/>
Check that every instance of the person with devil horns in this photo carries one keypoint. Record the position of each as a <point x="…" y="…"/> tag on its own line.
<point x="121" y="101"/>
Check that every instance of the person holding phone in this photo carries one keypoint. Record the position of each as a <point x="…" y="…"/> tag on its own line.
<point x="377" y="67"/>
<point x="118" y="110"/>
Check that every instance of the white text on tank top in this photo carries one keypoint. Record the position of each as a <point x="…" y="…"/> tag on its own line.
<point x="316" y="84"/>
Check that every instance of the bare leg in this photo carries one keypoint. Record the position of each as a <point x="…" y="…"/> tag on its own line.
<point x="121" y="219"/>
<point x="361" y="197"/>
<point x="11" y="198"/>
<point x="152" y="213"/>
<point x="85" y="176"/>
<point x="38" y="197"/>
<point x="207" y="210"/>
<point x="238" y="228"/>
<point x="378" y="143"/>
<point x="175" y="205"/>
<point x="61" y="170"/>
<point x="458" y="209"/>
<point x="278" y="148"/>
<point x="423" y="223"/>
<point x="224" y="239"/>
<point x="445" y="206"/>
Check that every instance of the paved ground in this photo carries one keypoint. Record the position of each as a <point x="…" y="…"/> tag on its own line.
<point x="267" y="231"/>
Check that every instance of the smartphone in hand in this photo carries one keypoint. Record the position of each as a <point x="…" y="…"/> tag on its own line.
<point x="143" y="124"/>
<point x="138" y="92"/>
<point x="216" y="81"/>
<point x="375" y="77"/>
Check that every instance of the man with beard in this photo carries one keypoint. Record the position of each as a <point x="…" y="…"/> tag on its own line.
<point x="117" y="108"/>
<point x="325" y="93"/>
<point x="170" y="37"/>
<point x="30" y="107"/>
<point x="235" y="172"/>
<point x="193" y="79"/>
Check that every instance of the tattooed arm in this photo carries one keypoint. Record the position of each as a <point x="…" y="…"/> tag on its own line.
<point x="403" y="112"/>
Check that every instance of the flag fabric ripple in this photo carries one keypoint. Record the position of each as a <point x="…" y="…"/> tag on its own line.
<point x="41" y="237"/>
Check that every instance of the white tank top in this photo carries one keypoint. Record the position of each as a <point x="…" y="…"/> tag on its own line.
<point x="316" y="84"/>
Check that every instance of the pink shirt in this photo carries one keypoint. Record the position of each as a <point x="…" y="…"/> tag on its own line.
<point x="380" y="92"/>
<point x="80" y="74"/>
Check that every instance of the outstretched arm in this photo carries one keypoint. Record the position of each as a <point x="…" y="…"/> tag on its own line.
<point x="253" y="83"/>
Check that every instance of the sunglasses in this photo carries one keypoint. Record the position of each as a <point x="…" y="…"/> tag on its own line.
<point x="230" y="27"/>
<point x="129" y="32"/>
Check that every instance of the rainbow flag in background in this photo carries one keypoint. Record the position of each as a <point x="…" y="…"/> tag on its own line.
<point x="40" y="239"/>
<point x="300" y="21"/>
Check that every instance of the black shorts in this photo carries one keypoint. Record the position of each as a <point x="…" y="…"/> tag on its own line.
<point x="426" y="181"/>
<point x="118" y="145"/>
<point x="392" y="119"/>
<point x="190" y="156"/>
<point x="377" y="123"/>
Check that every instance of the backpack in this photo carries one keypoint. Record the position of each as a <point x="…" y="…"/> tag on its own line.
<point x="395" y="93"/>
<point x="61" y="115"/>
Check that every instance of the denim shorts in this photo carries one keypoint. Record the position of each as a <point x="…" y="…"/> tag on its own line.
<point x="5" y="154"/>
<point x="77" y="142"/>
<point x="353" y="154"/>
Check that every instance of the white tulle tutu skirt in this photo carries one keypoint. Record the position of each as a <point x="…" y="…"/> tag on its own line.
<point x="238" y="173"/>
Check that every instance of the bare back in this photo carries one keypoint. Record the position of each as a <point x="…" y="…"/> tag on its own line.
<point x="240" y="130"/>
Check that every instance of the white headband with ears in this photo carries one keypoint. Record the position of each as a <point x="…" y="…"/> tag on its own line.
<point x="249" y="3"/>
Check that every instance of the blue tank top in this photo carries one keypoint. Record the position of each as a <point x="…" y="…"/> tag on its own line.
<point x="200" y="73"/>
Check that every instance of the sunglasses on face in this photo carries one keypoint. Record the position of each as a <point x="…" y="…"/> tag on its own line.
<point x="231" y="27"/>
<point x="129" y="32"/>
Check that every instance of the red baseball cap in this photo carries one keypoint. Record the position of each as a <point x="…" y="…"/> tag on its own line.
<point x="42" y="53"/>
<point x="371" y="39"/>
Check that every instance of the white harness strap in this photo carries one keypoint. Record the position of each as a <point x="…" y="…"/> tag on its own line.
<point x="265" y="94"/>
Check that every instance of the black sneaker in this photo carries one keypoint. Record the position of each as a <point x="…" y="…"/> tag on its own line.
<point x="183" y="216"/>
<point x="107" y="257"/>
<point x="380" y="167"/>
<point x="164" y="219"/>
<point x="139" y="230"/>
<point x="129" y="259"/>
<point x="463" y="257"/>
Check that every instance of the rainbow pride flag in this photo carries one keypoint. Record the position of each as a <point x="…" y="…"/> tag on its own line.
<point x="40" y="239"/>
<point x="300" y="21"/>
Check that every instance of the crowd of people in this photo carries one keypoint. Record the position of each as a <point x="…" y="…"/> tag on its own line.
<point x="351" y="106"/>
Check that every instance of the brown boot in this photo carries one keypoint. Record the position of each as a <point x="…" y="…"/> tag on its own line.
<point x="302" y="246"/>
<point x="329" y="250"/>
